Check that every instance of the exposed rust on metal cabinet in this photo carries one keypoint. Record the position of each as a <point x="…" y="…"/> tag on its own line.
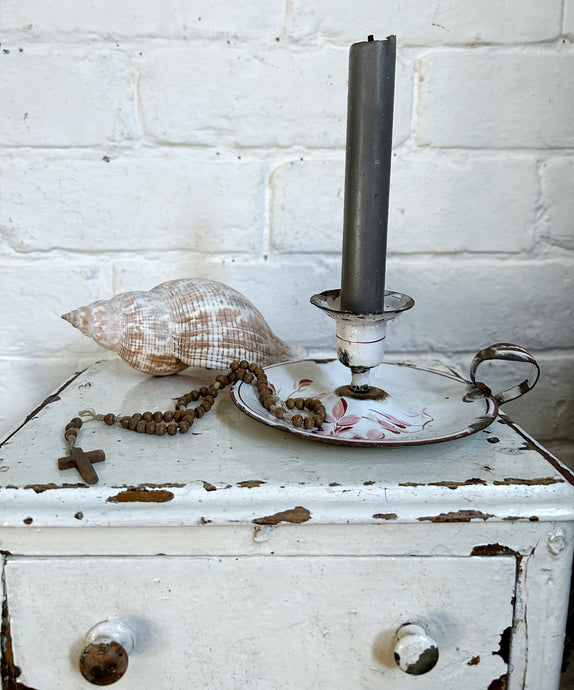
<point x="456" y="485"/>
<point x="493" y="550"/>
<point x="503" y="650"/>
<point x="209" y="487"/>
<point x="537" y="481"/>
<point x="385" y="516"/>
<point x="499" y="683"/>
<point x="458" y="516"/>
<point x="474" y="661"/>
<point x="142" y="494"/>
<point x="295" y="515"/>
<point x="9" y="671"/>
<point x="250" y="483"/>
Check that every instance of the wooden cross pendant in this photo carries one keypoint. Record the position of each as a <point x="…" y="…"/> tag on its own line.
<point x="83" y="463"/>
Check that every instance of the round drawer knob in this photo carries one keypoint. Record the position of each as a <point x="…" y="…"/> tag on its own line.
<point x="415" y="651"/>
<point x="104" y="659"/>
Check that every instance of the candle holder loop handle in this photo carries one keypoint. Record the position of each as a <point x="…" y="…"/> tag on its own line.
<point x="510" y="352"/>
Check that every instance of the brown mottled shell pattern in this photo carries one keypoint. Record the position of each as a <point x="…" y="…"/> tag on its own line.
<point x="182" y="323"/>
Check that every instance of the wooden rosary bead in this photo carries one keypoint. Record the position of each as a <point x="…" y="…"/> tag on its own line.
<point x="182" y="419"/>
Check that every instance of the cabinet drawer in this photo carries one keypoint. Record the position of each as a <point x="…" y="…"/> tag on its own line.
<point x="262" y="622"/>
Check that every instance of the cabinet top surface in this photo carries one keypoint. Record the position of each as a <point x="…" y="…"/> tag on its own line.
<point x="228" y="457"/>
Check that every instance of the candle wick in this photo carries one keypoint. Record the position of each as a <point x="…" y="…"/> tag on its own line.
<point x="370" y="37"/>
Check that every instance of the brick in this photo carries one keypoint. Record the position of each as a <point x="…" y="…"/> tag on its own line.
<point x="39" y="295"/>
<point x="496" y="100"/>
<point x="64" y="98"/>
<point x="461" y="305"/>
<point x="558" y="201"/>
<point x="465" y="305"/>
<point x="439" y="203"/>
<point x="169" y="18"/>
<point x="212" y="96"/>
<point x="144" y="203"/>
<point x="419" y="22"/>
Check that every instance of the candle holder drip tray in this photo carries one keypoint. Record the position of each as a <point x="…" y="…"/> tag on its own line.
<point x="416" y="405"/>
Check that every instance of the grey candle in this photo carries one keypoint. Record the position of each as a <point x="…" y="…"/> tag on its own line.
<point x="367" y="174"/>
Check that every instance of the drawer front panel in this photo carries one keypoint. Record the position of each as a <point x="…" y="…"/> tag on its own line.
<point x="262" y="622"/>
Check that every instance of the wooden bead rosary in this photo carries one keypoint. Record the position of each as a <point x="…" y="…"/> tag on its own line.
<point x="182" y="419"/>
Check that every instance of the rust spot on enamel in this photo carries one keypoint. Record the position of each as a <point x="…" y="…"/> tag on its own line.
<point x="456" y="485"/>
<point x="250" y="483"/>
<point x="141" y="494"/>
<point x="295" y="515"/>
<point x="385" y="516"/>
<point x="538" y="481"/>
<point x="458" y="516"/>
<point x="209" y="487"/>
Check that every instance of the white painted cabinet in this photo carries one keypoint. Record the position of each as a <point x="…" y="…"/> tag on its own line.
<point x="243" y="557"/>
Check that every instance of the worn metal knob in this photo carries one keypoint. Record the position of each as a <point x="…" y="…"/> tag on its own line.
<point x="104" y="659"/>
<point x="415" y="651"/>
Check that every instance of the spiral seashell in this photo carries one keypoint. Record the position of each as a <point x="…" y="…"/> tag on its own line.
<point x="181" y="323"/>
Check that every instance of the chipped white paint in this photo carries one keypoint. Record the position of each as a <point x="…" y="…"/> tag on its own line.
<point x="242" y="548"/>
<point x="415" y="651"/>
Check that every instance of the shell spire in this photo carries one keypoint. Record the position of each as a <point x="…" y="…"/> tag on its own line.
<point x="181" y="323"/>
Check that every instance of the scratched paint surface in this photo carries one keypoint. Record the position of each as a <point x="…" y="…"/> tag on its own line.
<point x="228" y="465"/>
<point x="264" y="622"/>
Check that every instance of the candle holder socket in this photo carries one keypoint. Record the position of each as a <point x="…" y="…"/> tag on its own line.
<point x="361" y="336"/>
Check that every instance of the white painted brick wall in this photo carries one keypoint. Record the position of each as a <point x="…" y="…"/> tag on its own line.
<point x="141" y="142"/>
